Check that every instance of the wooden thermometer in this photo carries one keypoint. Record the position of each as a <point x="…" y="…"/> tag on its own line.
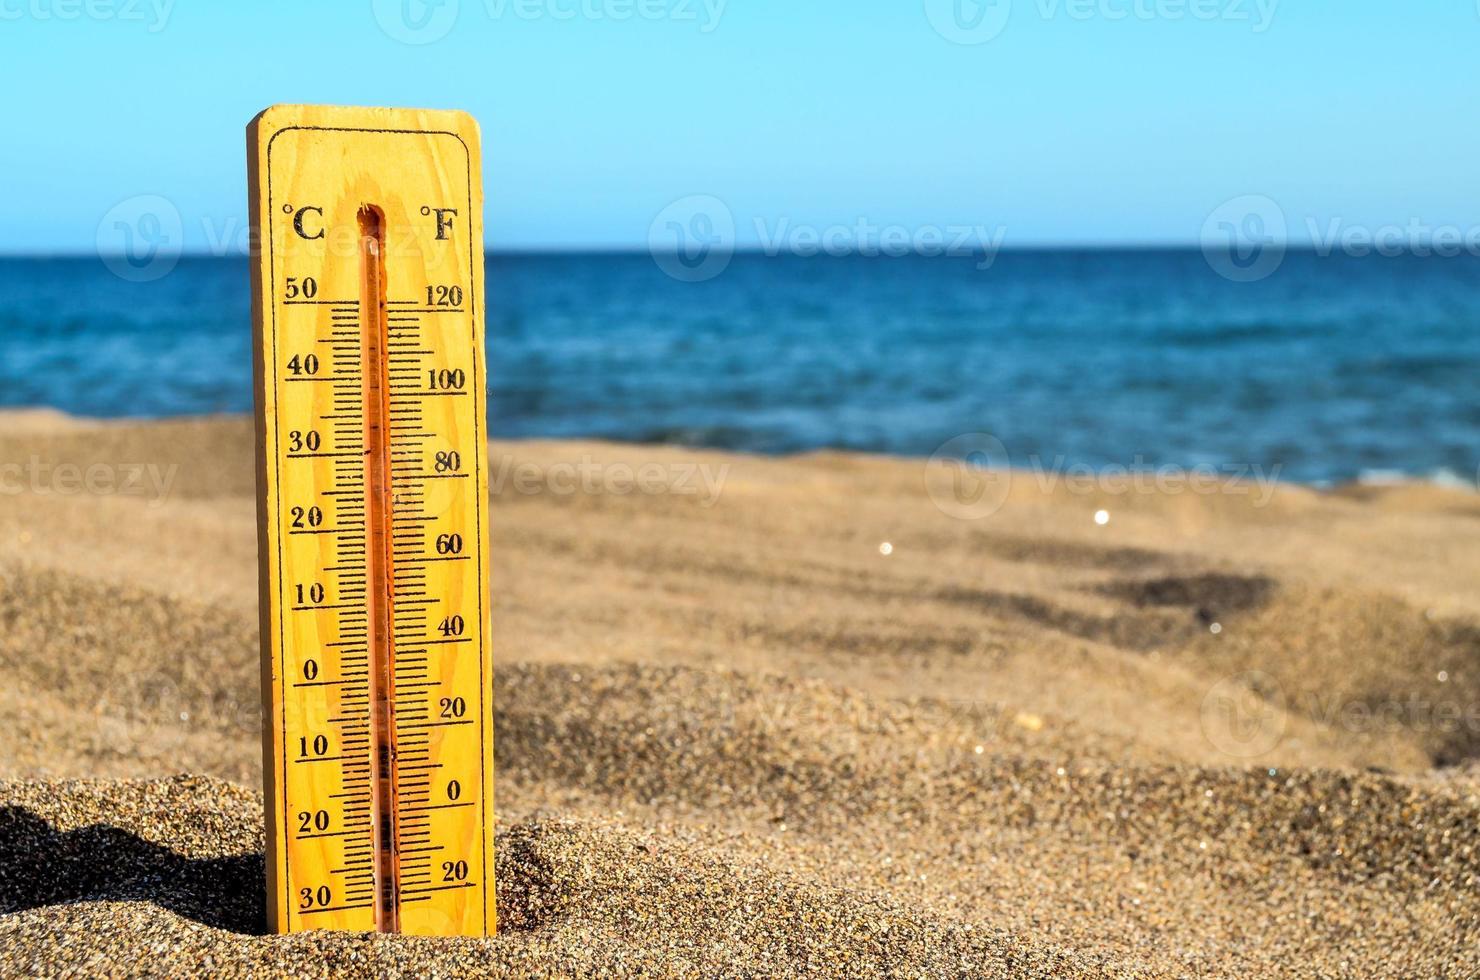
<point x="377" y="677"/>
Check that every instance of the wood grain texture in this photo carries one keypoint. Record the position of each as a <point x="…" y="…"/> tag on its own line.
<point x="312" y="169"/>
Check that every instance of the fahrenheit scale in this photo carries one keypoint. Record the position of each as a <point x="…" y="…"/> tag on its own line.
<point x="376" y="652"/>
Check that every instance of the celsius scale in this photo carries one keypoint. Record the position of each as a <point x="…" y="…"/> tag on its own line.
<point x="377" y="675"/>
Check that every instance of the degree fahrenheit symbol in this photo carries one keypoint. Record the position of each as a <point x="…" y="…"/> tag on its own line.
<point x="376" y="628"/>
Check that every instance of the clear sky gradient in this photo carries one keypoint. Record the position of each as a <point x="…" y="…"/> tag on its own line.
<point x="1081" y="122"/>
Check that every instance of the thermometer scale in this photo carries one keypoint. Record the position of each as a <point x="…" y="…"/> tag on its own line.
<point x="376" y="637"/>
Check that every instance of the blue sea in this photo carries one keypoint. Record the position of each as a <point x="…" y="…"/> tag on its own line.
<point x="1334" y="368"/>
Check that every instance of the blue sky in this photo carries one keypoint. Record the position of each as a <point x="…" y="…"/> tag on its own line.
<point x="1081" y="121"/>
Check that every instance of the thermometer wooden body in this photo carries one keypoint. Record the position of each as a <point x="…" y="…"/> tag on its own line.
<point x="377" y="672"/>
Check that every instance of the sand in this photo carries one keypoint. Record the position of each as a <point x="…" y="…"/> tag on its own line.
<point x="813" y="725"/>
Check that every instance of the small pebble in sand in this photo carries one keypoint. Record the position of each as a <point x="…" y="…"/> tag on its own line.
<point x="1032" y="723"/>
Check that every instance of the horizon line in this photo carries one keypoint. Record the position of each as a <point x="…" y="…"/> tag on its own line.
<point x="747" y="250"/>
